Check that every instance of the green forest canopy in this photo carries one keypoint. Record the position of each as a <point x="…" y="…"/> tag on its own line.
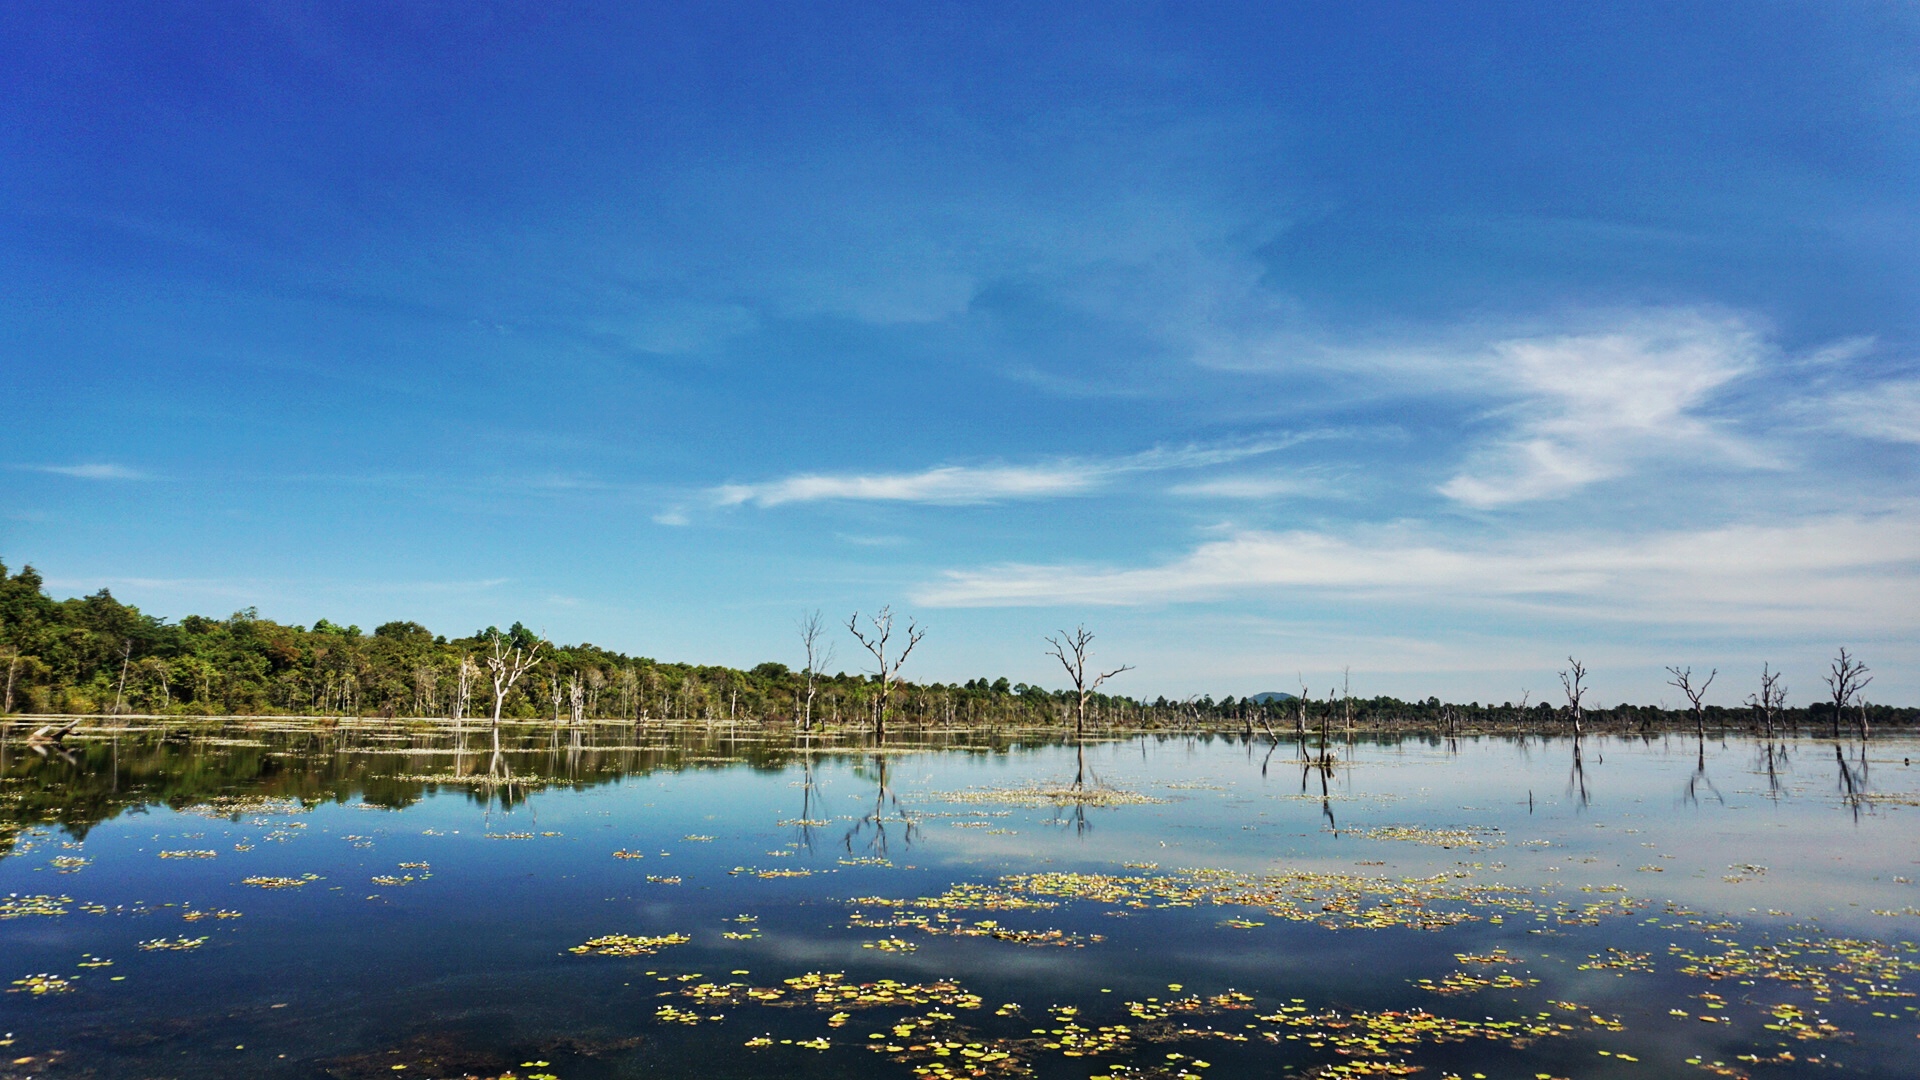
<point x="95" y="655"/>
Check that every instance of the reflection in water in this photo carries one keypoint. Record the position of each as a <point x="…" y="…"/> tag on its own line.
<point x="1852" y="780"/>
<point x="346" y="875"/>
<point x="872" y="827"/>
<point x="1577" y="776"/>
<point x="1700" y="779"/>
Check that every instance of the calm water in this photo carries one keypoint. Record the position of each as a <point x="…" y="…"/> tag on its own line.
<point x="257" y="901"/>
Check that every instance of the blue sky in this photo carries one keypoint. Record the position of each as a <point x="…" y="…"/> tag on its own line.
<point x="1434" y="341"/>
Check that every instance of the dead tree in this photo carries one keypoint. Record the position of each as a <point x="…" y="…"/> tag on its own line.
<point x="1846" y="679"/>
<point x="576" y="699"/>
<point x="463" y="688"/>
<point x="506" y="667"/>
<point x="1346" y="697"/>
<point x="13" y="667"/>
<point x="1570" y="680"/>
<point x="120" y="691"/>
<point x="1771" y="699"/>
<point x="819" y="655"/>
<point x="1683" y="681"/>
<point x="1073" y="651"/>
<point x="888" y="670"/>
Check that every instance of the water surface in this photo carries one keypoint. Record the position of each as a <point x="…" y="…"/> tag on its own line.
<point x="389" y="900"/>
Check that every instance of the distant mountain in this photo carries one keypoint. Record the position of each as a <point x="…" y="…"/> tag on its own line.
<point x="1270" y="697"/>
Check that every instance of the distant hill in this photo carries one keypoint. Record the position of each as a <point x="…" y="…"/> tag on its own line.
<point x="1270" y="697"/>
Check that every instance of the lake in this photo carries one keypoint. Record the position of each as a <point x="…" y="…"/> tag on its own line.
<point x="390" y="899"/>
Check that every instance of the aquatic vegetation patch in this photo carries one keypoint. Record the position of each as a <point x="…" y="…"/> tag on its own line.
<point x="1852" y="969"/>
<point x="1460" y="982"/>
<point x="231" y="807"/>
<point x="265" y="882"/>
<point x="42" y="984"/>
<point x="15" y="906"/>
<point x="196" y="914"/>
<point x="1046" y="795"/>
<point x="179" y="944"/>
<point x="1474" y="839"/>
<point x="200" y="854"/>
<point x="1619" y="960"/>
<point x="629" y="944"/>
<point x="940" y="923"/>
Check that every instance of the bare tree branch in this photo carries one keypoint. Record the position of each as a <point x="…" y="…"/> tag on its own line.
<point x="1570" y="681"/>
<point x="875" y="641"/>
<point x="1683" y="681"/>
<point x="1073" y="651"/>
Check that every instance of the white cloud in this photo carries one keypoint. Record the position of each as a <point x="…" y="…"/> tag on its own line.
<point x="966" y="484"/>
<point x="1889" y="412"/>
<point x="91" y="471"/>
<point x="1248" y="487"/>
<point x="1591" y="406"/>
<point x="949" y="484"/>
<point x="1844" y="572"/>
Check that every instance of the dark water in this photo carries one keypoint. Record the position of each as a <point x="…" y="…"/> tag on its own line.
<point x="280" y="902"/>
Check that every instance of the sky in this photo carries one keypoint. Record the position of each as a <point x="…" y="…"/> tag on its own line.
<point x="1427" y="344"/>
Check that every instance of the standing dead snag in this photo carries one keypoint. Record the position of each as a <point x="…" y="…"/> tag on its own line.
<point x="1771" y="699"/>
<point x="819" y="655"/>
<point x="1072" y="650"/>
<point x="889" y="671"/>
<point x="1570" y="681"/>
<point x="1575" y="692"/>
<point x="463" y="689"/>
<point x="1683" y="681"/>
<point x="1846" y="679"/>
<point x="506" y="668"/>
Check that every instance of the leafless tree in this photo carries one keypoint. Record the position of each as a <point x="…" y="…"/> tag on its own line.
<point x="1771" y="699"/>
<point x="426" y="684"/>
<point x="13" y="668"/>
<point x="1073" y="651"/>
<point x="1846" y="679"/>
<point x="506" y="666"/>
<point x="463" y="688"/>
<point x="1683" y="681"/>
<point x="1346" y="696"/>
<point x="819" y="655"/>
<point x="120" y="692"/>
<point x="576" y="699"/>
<point x="875" y="641"/>
<point x="1570" y="681"/>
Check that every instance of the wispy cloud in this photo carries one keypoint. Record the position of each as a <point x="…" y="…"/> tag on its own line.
<point x="948" y="484"/>
<point x="1259" y="486"/>
<point x="90" y="471"/>
<point x="973" y="484"/>
<point x="1591" y="405"/>
<point x="1846" y="572"/>
<point x="1889" y="412"/>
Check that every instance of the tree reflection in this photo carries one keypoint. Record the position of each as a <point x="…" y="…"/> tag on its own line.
<point x="873" y="827"/>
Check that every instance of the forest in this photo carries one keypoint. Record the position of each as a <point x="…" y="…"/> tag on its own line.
<point x="94" y="656"/>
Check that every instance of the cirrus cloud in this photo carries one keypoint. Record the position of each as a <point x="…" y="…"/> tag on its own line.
<point x="1849" y="573"/>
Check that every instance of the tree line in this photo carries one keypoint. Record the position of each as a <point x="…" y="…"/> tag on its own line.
<point x="94" y="655"/>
